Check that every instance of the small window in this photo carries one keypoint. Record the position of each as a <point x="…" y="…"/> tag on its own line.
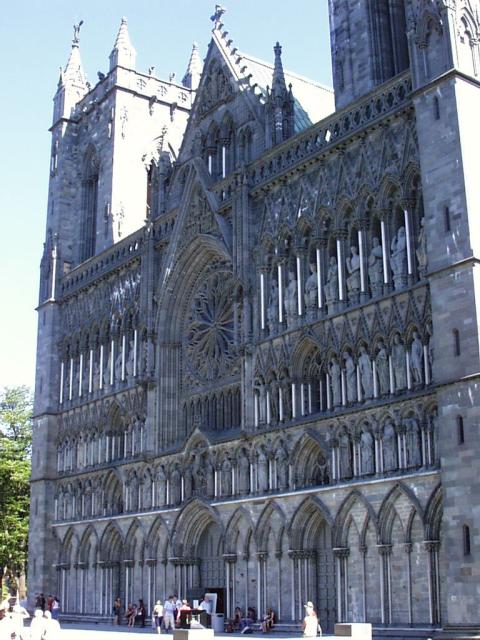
<point x="460" y="430"/>
<point x="436" y="108"/>
<point x="466" y="540"/>
<point x="446" y="219"/>
<point x="456" y="342"/>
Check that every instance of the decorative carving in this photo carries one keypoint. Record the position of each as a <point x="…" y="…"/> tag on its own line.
<point x="209" y="337"/>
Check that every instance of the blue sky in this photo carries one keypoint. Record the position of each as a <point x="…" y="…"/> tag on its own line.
<point x="35" y="39"/>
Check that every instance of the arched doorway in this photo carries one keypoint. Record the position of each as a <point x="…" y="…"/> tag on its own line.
<point x="210" y="554"/>
<point x="313" y="563"/>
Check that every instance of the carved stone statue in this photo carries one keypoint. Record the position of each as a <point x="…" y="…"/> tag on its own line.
<point x="243" y="467"/>
<point x="351" y="377"/>
<point x="210" y="474"/>
<point x="375" y="267"/>
<point x="389" y="448"/>
<point x="286" y="388"/>
<point x="398" y="258"/>
<point x="399" y="364"/>
<point x="331" y="286"/>
<point x="345" y="456"/>
<point x="175" y="488"/>
<point x="187" y="482"/>
<point x="416" y="359"/>
<point x="367" y="453"/>
<point x="272" y="309"/>
<point x="336" y="379"/>
<point x="383" y="370"/>
<point x="273" y="400"/>
<point x="118" y="366"/>
<point x="422" y="256"/>
<point x="130" y="358"/>
<point x="366" y="375"/>
<point x="291" y="300"/>
<point x="262" y="471"/>
<point x="311" y="288"/>
<point x="353" y="268"/>
<point x="106" y="370"/>
<point x="226" y="478"/>
<point x="414" y="456"/>
<point x="282" y="468"/>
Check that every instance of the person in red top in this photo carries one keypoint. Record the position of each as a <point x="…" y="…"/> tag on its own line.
<point x="50" y="602"/>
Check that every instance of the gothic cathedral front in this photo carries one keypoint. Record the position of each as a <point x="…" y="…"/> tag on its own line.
<point x="258" y="354"/>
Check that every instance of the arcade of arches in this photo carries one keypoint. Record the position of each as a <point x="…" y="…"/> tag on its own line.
<point x="375" y="558"/>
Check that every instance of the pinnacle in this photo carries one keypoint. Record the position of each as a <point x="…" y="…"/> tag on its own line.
<point x="123" y="52"/>
<point x="194" y="69"/>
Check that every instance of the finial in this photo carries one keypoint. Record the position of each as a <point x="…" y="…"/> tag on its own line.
<point x="277" y="49"/>
<point x="217" y="16"/>
<point x="76" y="33"/>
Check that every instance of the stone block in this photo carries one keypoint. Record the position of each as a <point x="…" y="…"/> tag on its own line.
<point x="357" y="630"/>
<point x="193" y="634"/>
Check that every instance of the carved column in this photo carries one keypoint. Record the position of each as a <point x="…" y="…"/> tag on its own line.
<point x="387" y="276"/>
<point x="433" y="547"/>
<point x="341" y="559"/>
<point x="385" y="551"/>
<point x="340" y="236"/>
<point x="362" y="252"/>
<point x="407" y="547"/>
<point x="300" y="254"/>
<point x="408" y="206"/>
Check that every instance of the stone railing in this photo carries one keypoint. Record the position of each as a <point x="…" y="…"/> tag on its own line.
<point x="386" y="99"/>
<point x="99" y="265"/>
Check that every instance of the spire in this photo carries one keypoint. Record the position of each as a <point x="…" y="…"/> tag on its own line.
<point x="279" y="87"/>
<point x="279" y="105"/>
<point x="73" y="73"/>
<point x="72" y="83"/>
<point x="123" y="54"/>
<point x="194" y="69"/>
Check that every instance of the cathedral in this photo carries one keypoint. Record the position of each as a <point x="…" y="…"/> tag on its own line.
<point x="258" y="362"/>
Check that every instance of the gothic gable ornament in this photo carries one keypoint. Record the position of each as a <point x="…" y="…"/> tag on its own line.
<point x="216" y="90"/>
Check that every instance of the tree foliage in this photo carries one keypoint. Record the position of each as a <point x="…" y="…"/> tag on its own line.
<point x="15" y="453"/>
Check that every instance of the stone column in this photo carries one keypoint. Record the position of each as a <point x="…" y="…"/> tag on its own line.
<point x="408" y="205"/>
<point x="387" y="275"/>
<point x="385" y="551"/>
<point x="362" y="253"/>
<point x="341" y="558"/>
<point x="433" y="548"/>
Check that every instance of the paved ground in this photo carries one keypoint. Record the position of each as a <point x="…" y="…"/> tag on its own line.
<point x="109" y="632"/>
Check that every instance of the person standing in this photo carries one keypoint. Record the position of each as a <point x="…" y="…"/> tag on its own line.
<point x="141" y="612"/>
<point x="37" y="626"/>
<point x="18" y="615"/>
<point x="169" y="614"/>
<point x="158" y="616"/>
<point x="52" y="627"/>
<point x="55" y="608"/>
<point x="117" y="609"/>
<point x="310" y="622"/>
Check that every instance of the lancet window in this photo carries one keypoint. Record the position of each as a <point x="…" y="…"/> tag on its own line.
<point x="89" y="205"/>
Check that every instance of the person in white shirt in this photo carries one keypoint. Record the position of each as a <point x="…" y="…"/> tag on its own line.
<point x="169" y="614"/>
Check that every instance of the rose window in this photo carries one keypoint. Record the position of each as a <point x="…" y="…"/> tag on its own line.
<point x="209" y="350"/>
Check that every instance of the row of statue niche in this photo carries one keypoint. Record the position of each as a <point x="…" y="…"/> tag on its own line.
<point x="382" y="370"/>
<point x="199" y="476"/>
<point x="389" y="449"/>
<point x="375" y="268"/>
<point x="106" y="373"/>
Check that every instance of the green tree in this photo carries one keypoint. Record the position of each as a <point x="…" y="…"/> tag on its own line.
<point x="15" y="466"/>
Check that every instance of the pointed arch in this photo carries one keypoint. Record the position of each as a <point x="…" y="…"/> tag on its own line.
<point x="388" y="512"/>
<point x="263" y="530"/>
<point x="340" y="530"/>
<point x="239" y="525"/>
<point x="111" y="544"/>
<point x="309" y="516"/>
<point x="133" y="547"/>
<point x="190" y="524"/>
<point x="434" y="514"/>
<point x="88" y="220"/>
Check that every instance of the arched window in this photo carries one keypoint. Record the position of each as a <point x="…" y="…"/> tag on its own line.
<point x="460" y="430"/>
<point x="456" y="342"/>
<point x="466" y="540"/>
<point x="390" y="46"/>
<point x="88" y="226"/>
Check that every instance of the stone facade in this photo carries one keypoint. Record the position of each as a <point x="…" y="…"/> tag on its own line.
<point x="258" y="348"/>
